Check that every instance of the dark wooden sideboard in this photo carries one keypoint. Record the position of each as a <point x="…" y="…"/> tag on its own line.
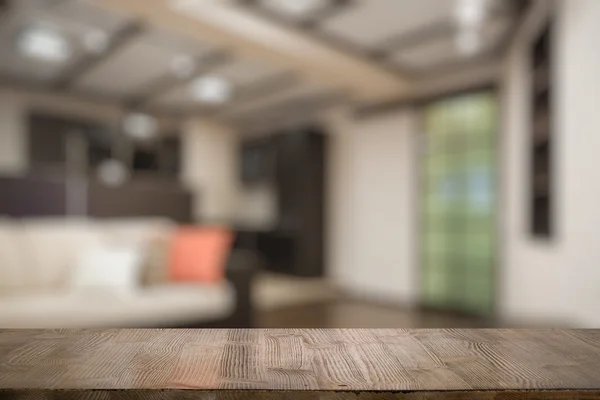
<point x="300" y="364"/>
<point x="35" y="196"/>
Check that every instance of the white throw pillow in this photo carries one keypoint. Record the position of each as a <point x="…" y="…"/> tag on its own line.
<point x="114" y="270"/>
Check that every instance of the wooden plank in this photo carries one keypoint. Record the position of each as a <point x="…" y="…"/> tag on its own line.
<point x="296" y="395"/>
<point x="298" y="364"/>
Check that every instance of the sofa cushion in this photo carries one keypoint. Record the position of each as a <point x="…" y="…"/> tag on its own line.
<point x="166" y="305"/>
<point x="52" y="246"/>
<point x="13" y="276"/>
<point x="155" y="262"/>
<point x="137" y="231"/>
<point x="109" y="268"/>
<point x="199" y="254"/>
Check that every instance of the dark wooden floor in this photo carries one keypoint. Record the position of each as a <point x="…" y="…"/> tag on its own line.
<point x="361" y="314"/>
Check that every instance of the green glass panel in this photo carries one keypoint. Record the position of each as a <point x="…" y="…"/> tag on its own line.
<point x="436" y="128"/>
<point x="480" y="223"/>
<point x="477" y="264"/>
<point x="435" y="288"/>
<point x="482" y="121"/>
<point x="436" y="223"/>
<point x="459" y="192"/>
<point x="480" y="244"/>
<point x="436" y="242"/>
<point x="478" y="293"/>
<point x="481" y="157"/>
<point x="438" y="262"/>
<point x="436" y="164"/>
<point x="455" y="117"/>
<point x="439" y="201"/>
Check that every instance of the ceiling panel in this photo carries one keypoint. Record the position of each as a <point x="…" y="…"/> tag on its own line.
<point x="15" y="64"/>
<point x="177" y="97"/>
<point x="294" y="10"/>
<point x="84" y="15"/>
<point x="130" y="69"/>
<point x="178" y="44"/>
<point x="73" y="19"/>
<point x="443" y="50"/>
<point x="240" y="72"/>
<point x="370" y="22"/>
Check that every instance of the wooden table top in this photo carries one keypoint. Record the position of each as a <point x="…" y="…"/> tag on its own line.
<point x="400" y="362"/>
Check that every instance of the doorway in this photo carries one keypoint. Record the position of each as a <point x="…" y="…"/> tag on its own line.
<point x="458" y="212"/>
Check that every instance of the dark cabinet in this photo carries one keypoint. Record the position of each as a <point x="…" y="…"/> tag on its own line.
<point x="50" y="136"/>
<point x="300" y="183"/>
<point x="258" y="160"/>
<point x="296" y="245"/>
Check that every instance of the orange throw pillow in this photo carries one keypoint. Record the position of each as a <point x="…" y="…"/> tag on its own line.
<point x="199" y="254"/>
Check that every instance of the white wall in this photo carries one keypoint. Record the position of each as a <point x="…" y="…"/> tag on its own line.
<point x="532" y="273"/>
<point x="370" y="210"/>
<point x="578" y="127"/>
<point x="557" y="279"/>
<point x="210" y="157"/>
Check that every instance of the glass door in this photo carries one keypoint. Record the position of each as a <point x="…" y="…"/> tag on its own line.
<point x="458" y="212"/>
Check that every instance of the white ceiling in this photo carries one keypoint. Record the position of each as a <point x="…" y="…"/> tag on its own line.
<point x="138" y="64"/>
<point x="129" y="70"/>
<point x="73" y="19"/>
<point x="370" y="22"/>
<point x="372" y="26"/>
<point x="145" y="59"/>
<point x="443" y="52"/>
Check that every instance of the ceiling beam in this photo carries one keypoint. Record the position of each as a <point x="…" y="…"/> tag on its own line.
<point x="262" y="89"/>
<point x="226" y="25"/>
<point x="521" y="8"/>
<point x="28" y="86"/>
<point x="304" y="108"/>
<point x="310" y="27"/>
<point x="75" y="72"/>
<point x="168" y="82"/>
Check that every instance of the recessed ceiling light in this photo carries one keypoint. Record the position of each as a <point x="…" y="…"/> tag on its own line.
<point x="140" y="126"/>
<point x="470" y="13"/>
<point x="96" y="41"/>
<point x="211" y="89"/>
<point x="183" y="66"/>
<point x="297" y="7"/>
<point x="44" y="44"/>
<point x="468" y="41"/>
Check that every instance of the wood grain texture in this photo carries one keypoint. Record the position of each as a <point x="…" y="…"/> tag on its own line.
<point x="298" y="364"/>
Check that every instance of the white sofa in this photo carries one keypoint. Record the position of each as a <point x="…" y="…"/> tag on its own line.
<point x="36" y="268"/>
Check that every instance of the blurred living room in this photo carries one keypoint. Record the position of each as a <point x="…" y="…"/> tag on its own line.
<point x="299" y="163"/>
